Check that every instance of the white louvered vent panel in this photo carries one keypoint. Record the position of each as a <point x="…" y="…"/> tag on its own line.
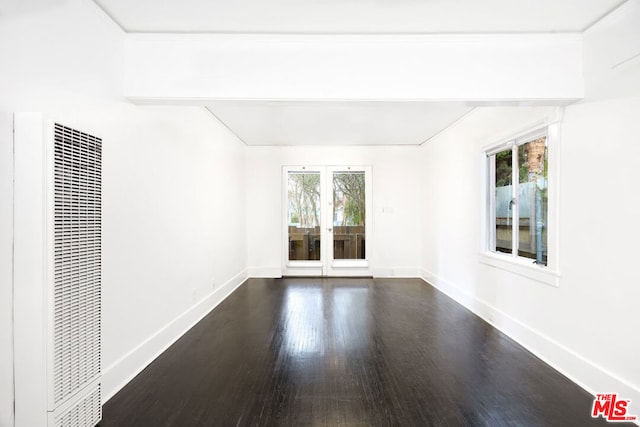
<point x="87" y="412"/>
<point x="77" y="268"/>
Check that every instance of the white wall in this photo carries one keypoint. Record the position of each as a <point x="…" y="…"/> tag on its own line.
<point x="430" y="67"/>
<point x="588" y="326"/>
<point x="174" y="231"/>
<point x="396" y="185"/>
<point x="173" y="200"/>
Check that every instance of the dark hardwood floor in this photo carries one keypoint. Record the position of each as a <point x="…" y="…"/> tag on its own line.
<point x="346" y="352"/>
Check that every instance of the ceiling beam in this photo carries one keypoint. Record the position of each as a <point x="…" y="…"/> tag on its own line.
<point x="481" y="68"/>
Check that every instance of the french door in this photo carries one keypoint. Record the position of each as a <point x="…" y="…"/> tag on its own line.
<point x="327" y="220"/>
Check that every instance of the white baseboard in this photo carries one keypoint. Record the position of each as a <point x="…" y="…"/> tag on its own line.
<point x="117" y="375"/>
<point x="266" y="272"/>
<point x="588" y="375"/>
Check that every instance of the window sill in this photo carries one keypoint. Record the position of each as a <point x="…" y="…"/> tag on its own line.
<point x="521" y="267"/>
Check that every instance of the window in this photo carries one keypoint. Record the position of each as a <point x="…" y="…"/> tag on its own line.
<point x="520" y="217"/>
<point x="518" y="177"/>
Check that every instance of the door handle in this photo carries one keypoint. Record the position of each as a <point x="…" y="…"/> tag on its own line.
<point x="329" y="230"/>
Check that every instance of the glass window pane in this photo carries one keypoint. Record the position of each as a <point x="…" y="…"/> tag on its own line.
<point x="503" y="206"/>
<point x="349" y="215"/>
<point x="303" y="200"/>
<point x="532" y="200"/>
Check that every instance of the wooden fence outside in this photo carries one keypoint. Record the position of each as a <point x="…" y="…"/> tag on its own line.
<point x="348" y="243"/>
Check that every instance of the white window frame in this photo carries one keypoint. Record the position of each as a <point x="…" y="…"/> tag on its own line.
<point x="549" y="274"/>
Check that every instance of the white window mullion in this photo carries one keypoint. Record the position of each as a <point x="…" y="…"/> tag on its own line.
<point x="515" y="181"/>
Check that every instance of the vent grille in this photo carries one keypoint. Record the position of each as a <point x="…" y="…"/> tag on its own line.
<point x="77" y="266"/>
<point x="87" y="412"/>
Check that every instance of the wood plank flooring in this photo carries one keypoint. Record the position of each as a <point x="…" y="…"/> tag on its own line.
<point x="346" y="352"/>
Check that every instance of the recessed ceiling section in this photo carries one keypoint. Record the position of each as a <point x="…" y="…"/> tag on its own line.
<point x="356" y="16"/>
<point x="311" y="123"/>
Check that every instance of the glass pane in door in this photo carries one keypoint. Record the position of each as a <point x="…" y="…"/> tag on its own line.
<point x="303" y="202"/>
<point x="349" y="215"/>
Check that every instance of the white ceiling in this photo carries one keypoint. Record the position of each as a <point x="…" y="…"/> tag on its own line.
<point x="336" y="123"/>
<point x="357" y="16"/>
<point x="349" y="123"/>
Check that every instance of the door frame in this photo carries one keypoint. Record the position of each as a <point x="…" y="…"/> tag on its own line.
<point x="327" y="266"/>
